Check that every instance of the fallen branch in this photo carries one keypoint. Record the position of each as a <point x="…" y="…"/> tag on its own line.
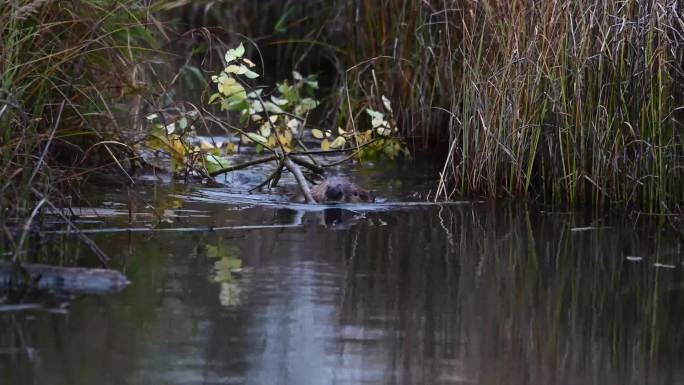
<point x="73" y="280"/>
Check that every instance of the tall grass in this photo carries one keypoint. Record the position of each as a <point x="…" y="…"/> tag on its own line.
<point x="573" y="101"/>
<point x="70" y="81"/>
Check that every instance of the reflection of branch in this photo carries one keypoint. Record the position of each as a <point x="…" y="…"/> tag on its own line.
<point x="96" y="250"/>
<point x="174" y="229"/>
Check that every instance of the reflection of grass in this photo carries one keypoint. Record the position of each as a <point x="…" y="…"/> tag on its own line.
<point x="519" y="295"/>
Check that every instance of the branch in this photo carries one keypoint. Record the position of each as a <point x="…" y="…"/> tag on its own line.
<point x="324" y="152"/>
<point x="305" y="163"/>
<point x="297" y="172"/>
<point x="244" y="165"/>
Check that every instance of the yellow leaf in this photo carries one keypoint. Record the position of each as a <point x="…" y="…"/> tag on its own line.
<point x="232" y="89"/>
<point x="285" y="138"/>
<point x="325" y="145"/>
<point x="338" y="142"/>
<point x="231" y="148"/>
<point x="271" y="141"/>
<point x="318" y="134"/>
<point x="178" y="149"/>
<point x="206" y="146"/>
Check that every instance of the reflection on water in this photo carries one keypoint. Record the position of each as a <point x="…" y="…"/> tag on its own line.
<point x="417" y="295"/>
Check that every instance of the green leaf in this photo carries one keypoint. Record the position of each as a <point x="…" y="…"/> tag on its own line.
<point x="375" y="114"/>
<point x="216" y="163"/>
<point x="271" y="107"/>
<point x="257" y="138"/>
<point x="236" y="69"/>
<point x="293" y="124"/>
<point x="278" y="101"/>
<point x="183" y="123"/>
<point x="213" y="97"/>
<point x="386" y="103"/>
<point x="265" y="130"/>
<point x="256" y="93"/>
<point x="251" y="74"/>
<point x="305" y="105"/>
<point x="378" y="122"/>
<point x="232" y="89"/>
<point x="313" y="84"/>
<point x="235" y="53"/>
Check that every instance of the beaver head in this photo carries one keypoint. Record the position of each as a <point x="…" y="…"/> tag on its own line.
<point x="341" y="190"/>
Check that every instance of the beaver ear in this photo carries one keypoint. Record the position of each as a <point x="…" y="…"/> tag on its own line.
<point x="334" y="193"/>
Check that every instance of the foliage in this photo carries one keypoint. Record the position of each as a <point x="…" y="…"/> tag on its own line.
<point x="275" y="120"/>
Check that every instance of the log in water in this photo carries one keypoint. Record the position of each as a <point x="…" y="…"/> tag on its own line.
<point x="73" y="280"/>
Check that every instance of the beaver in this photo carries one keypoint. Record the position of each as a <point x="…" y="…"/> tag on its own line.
<point x="338" y="189"/>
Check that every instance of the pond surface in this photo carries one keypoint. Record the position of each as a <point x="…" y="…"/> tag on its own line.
<point x="247" y="289"/>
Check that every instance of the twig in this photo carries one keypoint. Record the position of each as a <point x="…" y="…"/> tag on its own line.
<point x="47" y="146"/>
<point x="275" y="174"/>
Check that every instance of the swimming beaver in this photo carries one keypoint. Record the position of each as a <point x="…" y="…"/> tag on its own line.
<point x="338" y="189"/>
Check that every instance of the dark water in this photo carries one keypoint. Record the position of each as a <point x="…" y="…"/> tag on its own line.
<point x="453" y="294"/>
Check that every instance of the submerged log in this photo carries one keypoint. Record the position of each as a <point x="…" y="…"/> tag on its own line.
<point x="72" y="280"/>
